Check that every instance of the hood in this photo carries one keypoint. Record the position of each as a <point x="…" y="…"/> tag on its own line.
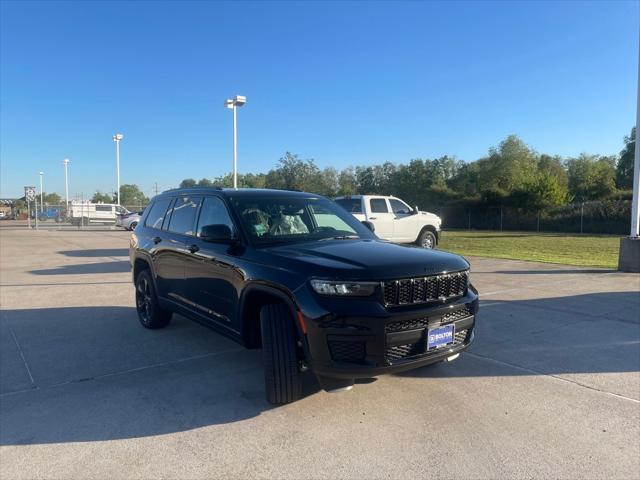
<point x="363" y="259"/>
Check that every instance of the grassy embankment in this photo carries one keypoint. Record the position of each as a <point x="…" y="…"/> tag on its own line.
<point x="568" y="249"/>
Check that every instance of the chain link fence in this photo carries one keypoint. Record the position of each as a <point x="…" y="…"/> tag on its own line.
<point x="79" y="216"/>
<point x="600" y="217"/>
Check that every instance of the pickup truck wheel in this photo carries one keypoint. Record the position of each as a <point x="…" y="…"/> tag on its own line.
<point x="150" y="314"/>
<point x="426" y="239"/>
<point x="281" y="372"/>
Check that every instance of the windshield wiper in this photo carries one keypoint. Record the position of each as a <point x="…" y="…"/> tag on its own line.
<point x="341" y="237"/>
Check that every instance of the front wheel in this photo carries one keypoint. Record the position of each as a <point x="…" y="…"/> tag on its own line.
<point x="150" y="314"/>
<point x="133" y="226"/>
<point x="281" y="372"/>
<point x="427" y="239"/>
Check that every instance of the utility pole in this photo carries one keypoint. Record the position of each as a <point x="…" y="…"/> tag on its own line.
<point x="156" y="188"/>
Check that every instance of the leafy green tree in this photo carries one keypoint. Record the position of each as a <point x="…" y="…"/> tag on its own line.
<point x="347" y="182"/>
<point x="624" y="168"/>
<point x="188" y="183"/>
<point x="100" y="197"/>
<point x="51" y="199"/>
<point x="131" y="194"/>
<point x="205" y="182"/>
<point x="591" y="177"/>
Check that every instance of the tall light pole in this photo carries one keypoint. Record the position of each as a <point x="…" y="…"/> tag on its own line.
<point x="116" y="138"/>
<point x="234" y="103"/>
<point x="41" y="187"/>
<point x="66" y="163"/>
<point x="629" y="256"/>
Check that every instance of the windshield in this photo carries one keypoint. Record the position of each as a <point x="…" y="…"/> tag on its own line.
<point x="295" y="219"/>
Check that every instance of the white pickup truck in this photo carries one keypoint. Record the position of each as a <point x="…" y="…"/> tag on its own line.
<point x="393" y="219"/>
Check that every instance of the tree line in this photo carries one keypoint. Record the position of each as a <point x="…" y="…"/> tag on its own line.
<point x="511" y="174"/>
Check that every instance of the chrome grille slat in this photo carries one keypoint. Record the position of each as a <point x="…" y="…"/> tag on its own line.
<point x="433" y="288"/>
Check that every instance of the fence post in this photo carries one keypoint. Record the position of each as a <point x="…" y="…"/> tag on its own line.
<point x="500" y="218"/>
<point x="538" y="227"/>
<point x="469" y="228"/>
<point x="581" y="215"/>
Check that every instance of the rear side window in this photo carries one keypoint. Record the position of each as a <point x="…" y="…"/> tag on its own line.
<point x="351" y="205"/>
<point x="183" y="216"/>
<point x="213" y="212"/>
<point x="157" y="213"/>
<point x="378" y="205"/>
<point x="103" y="208"/>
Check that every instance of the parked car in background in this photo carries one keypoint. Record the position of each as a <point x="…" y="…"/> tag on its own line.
<point x="393" y="219"/>
<point x="129" y="220"/>
<point x="87" y="213"/>
<point x="296" y="275"/>
<point x="52" y="213"/>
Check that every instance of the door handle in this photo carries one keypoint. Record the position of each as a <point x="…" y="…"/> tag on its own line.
<point x="193" y="248"/>
<point x="373" y="218"/>
<point x="157" y="240"/>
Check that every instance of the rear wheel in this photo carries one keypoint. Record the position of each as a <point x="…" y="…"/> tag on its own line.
<point x="150" y="314"/>
<point x="281" y="373"/>
<point x="427" y="239"/>
<point x="133" y="225"/>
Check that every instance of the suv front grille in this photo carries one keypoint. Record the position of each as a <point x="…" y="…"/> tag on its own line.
<point x="411" y="351"/>
<point x="423" y="322"/>
<point x="425" y="289"/>
<point x="347" y="351"/>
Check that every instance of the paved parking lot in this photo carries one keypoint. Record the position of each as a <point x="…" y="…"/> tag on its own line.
<point x="551" y="388"/>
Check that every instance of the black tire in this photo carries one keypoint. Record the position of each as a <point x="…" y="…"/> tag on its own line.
<point x="281" y="373"/>
<point x="133" y="226"/>
<point x="427" y="239"/>
<point x="150" y="314"/>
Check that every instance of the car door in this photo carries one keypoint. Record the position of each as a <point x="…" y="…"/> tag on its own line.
<point x="155" y="241"/>
<point x="381" y="217"/>
<point x="405" y="222"/>
<point x="177" y="231"/>
<point x="213" y="277"/>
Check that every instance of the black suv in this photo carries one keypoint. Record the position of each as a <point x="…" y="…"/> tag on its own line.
<point x="297" y="275"/>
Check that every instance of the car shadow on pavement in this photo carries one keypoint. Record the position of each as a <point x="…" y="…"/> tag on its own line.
<point x="119" y="266"/>
<point x="98" y="375"/>
<point x="96" y="252"/>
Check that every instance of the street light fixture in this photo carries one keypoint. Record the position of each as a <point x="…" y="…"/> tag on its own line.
<point x="66" y="163"/>
<point x="233" y="103"/>
<point x="41" y="187"/>
<point x="116" y="138"/>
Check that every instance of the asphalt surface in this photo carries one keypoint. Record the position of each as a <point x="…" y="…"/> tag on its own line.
<point x="550" y="389"/>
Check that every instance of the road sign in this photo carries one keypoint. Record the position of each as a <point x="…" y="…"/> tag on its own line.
<point x="30" y="193"/>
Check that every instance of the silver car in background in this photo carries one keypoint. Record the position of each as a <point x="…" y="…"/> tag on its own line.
<point x="128" y="220"/>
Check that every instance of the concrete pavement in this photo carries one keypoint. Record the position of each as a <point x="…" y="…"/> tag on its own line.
<point x="551" y="388"/>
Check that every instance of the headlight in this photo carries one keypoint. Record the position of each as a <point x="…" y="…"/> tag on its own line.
<point x="344" y="289"/>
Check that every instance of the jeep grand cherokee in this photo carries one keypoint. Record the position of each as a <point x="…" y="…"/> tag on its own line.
<point x="298" y="276"/>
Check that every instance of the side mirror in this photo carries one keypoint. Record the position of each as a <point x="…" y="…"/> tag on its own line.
<point x="369" y="225"/>
<point x="416" y="210"/>
<point x="218" y="233"/>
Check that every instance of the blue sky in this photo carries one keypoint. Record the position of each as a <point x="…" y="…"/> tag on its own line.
<point x="343" y="83"/>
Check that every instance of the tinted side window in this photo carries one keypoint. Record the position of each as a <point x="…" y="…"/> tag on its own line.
<point x="157" y="213"/>
<point x="103" y="208"/>
<point x="213" y="212"/>
<point x="398" y="207"/>
<point x="183" y="216"/>
<point x="378" y="205"/>
<point x="351" y="205"/>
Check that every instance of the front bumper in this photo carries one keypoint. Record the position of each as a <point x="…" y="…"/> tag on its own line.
<point x="354" y="346"/>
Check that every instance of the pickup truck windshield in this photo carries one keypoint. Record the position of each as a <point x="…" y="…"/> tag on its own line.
<point x="284" y="220"/>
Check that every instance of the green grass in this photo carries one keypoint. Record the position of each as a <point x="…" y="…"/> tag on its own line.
<point x="568" y="249"/>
